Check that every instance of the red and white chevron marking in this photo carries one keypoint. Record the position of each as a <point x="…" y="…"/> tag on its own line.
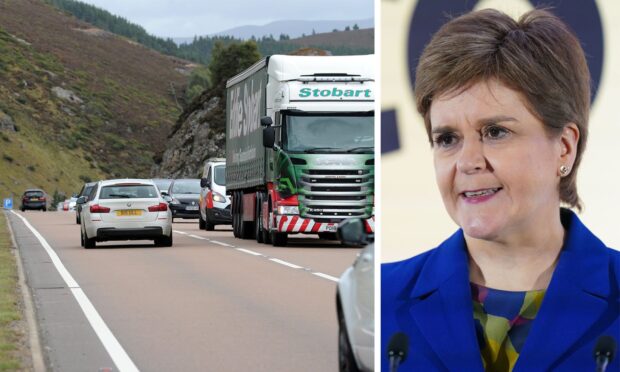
<point x="296" y="224"/>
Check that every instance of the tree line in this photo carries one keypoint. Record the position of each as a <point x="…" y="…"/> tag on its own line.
<point x="200" y="49"/>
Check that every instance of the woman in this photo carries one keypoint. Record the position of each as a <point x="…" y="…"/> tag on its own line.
<point x="523" y="285"/>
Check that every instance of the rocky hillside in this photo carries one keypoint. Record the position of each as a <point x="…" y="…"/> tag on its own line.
<point x="200" y="132"/>
<point x="78" y="103"/>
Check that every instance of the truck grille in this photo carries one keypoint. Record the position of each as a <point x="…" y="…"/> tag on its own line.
<point x="332" y="195"/>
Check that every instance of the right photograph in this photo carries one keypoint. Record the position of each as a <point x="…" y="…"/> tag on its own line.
<point x="499" y="140"/>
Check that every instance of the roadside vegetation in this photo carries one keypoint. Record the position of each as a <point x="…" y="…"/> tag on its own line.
<point x="12" y="336"/>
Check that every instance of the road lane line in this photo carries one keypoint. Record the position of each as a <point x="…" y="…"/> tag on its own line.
<point x="249" y="251"/>
<point x="273" y="259"/>
<point x="110" y="343"/>
<point x="180" y="232"/>
<point x="224" y="244"/>
<point x="325" y="276"/>
<point x="277" y="260"/>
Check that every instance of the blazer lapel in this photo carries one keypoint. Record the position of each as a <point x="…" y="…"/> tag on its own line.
<point x="576" y="298"/>
<point x="441" y="307"/>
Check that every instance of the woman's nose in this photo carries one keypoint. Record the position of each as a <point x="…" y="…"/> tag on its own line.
<point x="471" y="156"/>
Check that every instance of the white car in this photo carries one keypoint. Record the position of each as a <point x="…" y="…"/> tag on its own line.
<point x="355" y="303"/>
<point x="126" y="209"/>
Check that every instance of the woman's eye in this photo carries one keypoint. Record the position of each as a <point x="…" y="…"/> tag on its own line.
<point x="495" y="132"/>
<point x="445" y="140"/>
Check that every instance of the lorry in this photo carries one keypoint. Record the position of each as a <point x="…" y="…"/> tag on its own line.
<point x="300" y="146"/>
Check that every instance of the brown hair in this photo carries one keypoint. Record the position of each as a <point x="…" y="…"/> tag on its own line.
<point x="537" y="56"/>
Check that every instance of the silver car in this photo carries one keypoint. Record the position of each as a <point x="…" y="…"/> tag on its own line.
<point x="126" y="209"/>
<point x="355" y="302"/>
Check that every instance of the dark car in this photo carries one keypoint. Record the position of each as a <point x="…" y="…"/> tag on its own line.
<point x="87" y="192"/>
<point x="162" y="183"/>
<point x="183" y="197"/>
<point x="34" y="199"/>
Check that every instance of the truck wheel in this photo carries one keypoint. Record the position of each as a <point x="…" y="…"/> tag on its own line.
<point x="235" y="214"/>
<point x="279" y="239"/>
<point x="266" y="234"/>
<point x="258" y="224"/>
<point x="201" y="222"/>
<point x="246" y="228"/>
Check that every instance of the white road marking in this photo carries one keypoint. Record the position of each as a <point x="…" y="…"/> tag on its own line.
<point x="325" y="276"/>
<point x="273" y="259"/>
<point x="277" y="260"/>
<point x="224" y="244"/>
<point x="111" y="344"/>
<point x="249" y="251"/>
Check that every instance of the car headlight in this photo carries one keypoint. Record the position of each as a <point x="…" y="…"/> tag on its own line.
<point x="217" y="197"/>
<point x="175" y="201"/>
<point x="287" y="209"/>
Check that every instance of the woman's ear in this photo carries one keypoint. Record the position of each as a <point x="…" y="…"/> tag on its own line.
<point x="568" y="142"/>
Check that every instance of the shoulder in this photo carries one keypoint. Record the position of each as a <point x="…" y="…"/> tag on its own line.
<point x="614" y="259"/>
<point x="397" y="276"/>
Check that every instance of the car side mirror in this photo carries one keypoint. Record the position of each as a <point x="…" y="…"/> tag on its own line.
<point x="269" y="137"/>
<point x="204" y="183"/>
<point x="164" y="193"/>
<point x="266" y="121"/>
<point x="81" y="200"/>
<point x="352" y="232"/>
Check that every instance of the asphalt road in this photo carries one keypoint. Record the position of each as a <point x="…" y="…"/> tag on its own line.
<point x="211" y="302"/>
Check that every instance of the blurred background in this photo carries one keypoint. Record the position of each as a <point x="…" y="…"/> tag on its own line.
<point x="413" y="216"/>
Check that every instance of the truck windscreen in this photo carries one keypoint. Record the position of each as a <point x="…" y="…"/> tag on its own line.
<point x="329" y="133"/>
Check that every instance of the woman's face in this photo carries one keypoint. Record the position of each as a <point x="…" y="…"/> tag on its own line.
<point x="496" y="166"/>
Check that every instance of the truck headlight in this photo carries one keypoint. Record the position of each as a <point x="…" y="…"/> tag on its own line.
<point x="286" y="209"/>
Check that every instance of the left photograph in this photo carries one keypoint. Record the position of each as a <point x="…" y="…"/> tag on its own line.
<point x="187" y="186"/>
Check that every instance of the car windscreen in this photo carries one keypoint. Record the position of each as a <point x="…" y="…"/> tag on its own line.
<point x="186" y="186"/>
<point x="220" y="175"/>
<point x="163" y="185"/>
<point x="33" y="194"/>
<point x="337" y="133"/>
<point x="128" y="191"/>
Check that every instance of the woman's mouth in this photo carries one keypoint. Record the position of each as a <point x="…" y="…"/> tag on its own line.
<point x="479" y="196"/>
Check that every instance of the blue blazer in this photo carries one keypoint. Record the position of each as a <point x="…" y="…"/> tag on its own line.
<point x="428" y="298"/>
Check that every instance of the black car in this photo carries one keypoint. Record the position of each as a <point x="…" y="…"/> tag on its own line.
<point x="183" y="197"/>
<point x="34" y="199"/>
<point x="87" y="192"/>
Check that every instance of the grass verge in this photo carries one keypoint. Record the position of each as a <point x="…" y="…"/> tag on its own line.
<point x="12" y="337"/>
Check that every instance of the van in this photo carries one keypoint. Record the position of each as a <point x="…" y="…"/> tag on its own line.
<point x="214" y="203"/>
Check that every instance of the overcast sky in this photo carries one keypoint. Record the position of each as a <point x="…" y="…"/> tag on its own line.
<point x="181" y="18"/>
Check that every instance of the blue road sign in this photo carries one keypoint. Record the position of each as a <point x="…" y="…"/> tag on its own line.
<point x="8" y="203"/>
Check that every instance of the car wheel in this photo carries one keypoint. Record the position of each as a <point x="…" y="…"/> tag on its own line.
<point x="346" y="359"/>
<point x="164" y="241"/>
<point x="77" y="219"/>
<point x="44" y="209"/>
<point x="89" y="243"/>
<point x="81" y="238"/>
<point x="201" y="222"/>
<point x="23" y="209"/>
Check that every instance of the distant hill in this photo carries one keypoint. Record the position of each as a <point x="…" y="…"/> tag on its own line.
<point x="294" y="29"/>
<point x="78" y="103"/>
<point x="272" y="38"/>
